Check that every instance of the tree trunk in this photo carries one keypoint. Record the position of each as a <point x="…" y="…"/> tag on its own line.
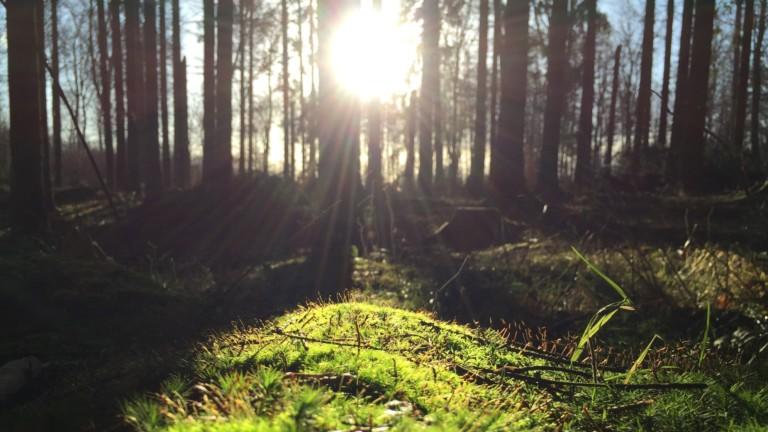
<point x="556" y="89"/>
<point x="210" y="151"/>
<point x="135" y="93"/>
<point x="151" y="151"/>
<point x="28" y="212"/>
<point x="643" y="110"/>
<point x="121" y="179"/>
<point x="612" y="112"/>
<point x="243" y="105"/>
<point x="498" y="17"/>
<point x="167" y="175"/>
<point x="181" y="159"/>
<point x="692" y="150"/>
<point x="106" y="100"/>
<point x="55" y="100"/>
<point x="477" y="167"/>
<point x="286" y="91"/>
<point x="740" y="100"/>
<point x="736" y="46"/>
<point x="757" y="84"/>
<point x="583" y="174"/>
<point x="47" y="183"/>
<point x="663" y="115"/>
<point x="251" y="127"/>
<point x="430" y="66"/>
<point x="410" y="138"/>
<point x="224" y="73"/>
<point x="507" y="163"/>
<point x="680" y="114"/>
<point x="331" y="256"/>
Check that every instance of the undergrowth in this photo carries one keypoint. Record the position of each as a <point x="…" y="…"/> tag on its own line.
<point x="357" y="366"/>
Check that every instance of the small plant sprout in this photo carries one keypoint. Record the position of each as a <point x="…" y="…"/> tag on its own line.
<point x="604" y="315"/>
<point x="639" y="361"/>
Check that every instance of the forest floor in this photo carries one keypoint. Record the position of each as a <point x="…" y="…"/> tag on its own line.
<point x="183" y="315"/>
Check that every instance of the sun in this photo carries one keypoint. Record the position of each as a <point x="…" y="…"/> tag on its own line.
<point x="373" y="53"/>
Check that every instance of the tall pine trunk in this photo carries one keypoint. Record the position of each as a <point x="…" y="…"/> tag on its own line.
<point x="643" y="110"/>
<point x="757" y="86"/>
<point x="507" y="163"/>
<point x="181" y="159"/>
<point x="608" y="160"/>
<point x="166" y="146"/>
<point x="410" y="137"/>
<point x="286" y="90"/>
<point x="692" y="150"/>
<point x="28" y="211"/>
<point x="55" y="100"/>
<point x="135" y="95"/>
<point x="151" y="151"/>
<point x="243" y="101"/>
<point x="430" y="68"/>
<point x="210" y="152"/>
<point x="477" y="166"/>
<point x="661" y="140"/>
<point x="251" y="126"/>
<point x="583" y="174"/>
<point x="117" y="69"/>
<point x="224" y="72"/>
<point x="740" y="100"/>
<point x="556" y="89"/>
<point x="106" y="93"/>
<point x="680" y="114"/>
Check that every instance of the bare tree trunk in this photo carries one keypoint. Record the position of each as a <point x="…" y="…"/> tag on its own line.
<point x="663" y="115"/>
<point x="106" y="100"/>
<point x="692" y="151"/>
<point x="736" y="46"/>
<point x="151" y="149"/>
<point x="243" y="105"/>
<point x="507" y="161"/>
<point x="166" y="146"/>
<point x="286" y="92"/>
<point x="410" y="138"/>
<point x="757" y="86"/>
<point x="583" y="173"/>
<point x="210" y="151"/>
<point x="313" y="96"/>
<point x="181" y="158"/>
<point x="268" y="125"/>
<point x="556" y="89"/>
<point x="740" y="100"/>
<point x="117" y="66"/>
<point x="224" y="74"/>
<point x="28" y="211"/>
<point x="643" y="110"/>
<point x="476" y="179"/>
<point x="679" y="119"/>
<point x="331" y="256"/>
<point x="135" y="93"/>
<point x="498" y="18"/>
<point x="55" y="100"/>
<point x="431" y="65"/>
<point x="251" y="127"/>
<point x="302" y="102"/>
<point x="612" y="112"/>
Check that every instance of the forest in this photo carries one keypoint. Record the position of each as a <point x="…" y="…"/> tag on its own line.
<point x="383" y="215"/>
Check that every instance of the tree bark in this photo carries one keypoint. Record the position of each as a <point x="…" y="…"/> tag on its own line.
<point x="117" y="67"/>
<point x="583" y="174"/>
<point x="181" y="159"/>
<point x="106" y="100"/>
<point x="643" y="110"/>
<point x="331" y="257"/>
<point x="224" y="73"/>
<point x="55" y="100"/>
<point x="556" y="89"/>
<point x="151" y="151"/>
<point x="135" y="89"/>
<point x="612" y="112"/>
<point x="286" y="91"/>
<point x="251" y="126"/>
<point x="757" y="86"/>
<point x="661" y="140"/>
<point x="166" y="146"/>
<point x="507" y="163"/>
<point x="477" y="167"/>
<point x="679" y="119"/>
<point x="740" y="100"/>
<point x="243" y="101"/>
<point x="430" y="66"/>
<point x="692" y="151"/>
<point x="28" y="211"/>
<point x="210" y="151"/>
<point x="410" y="138"/>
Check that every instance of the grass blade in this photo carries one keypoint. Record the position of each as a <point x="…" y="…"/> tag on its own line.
<point x="602" y="275"/>
<point x="640" y="358"/>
